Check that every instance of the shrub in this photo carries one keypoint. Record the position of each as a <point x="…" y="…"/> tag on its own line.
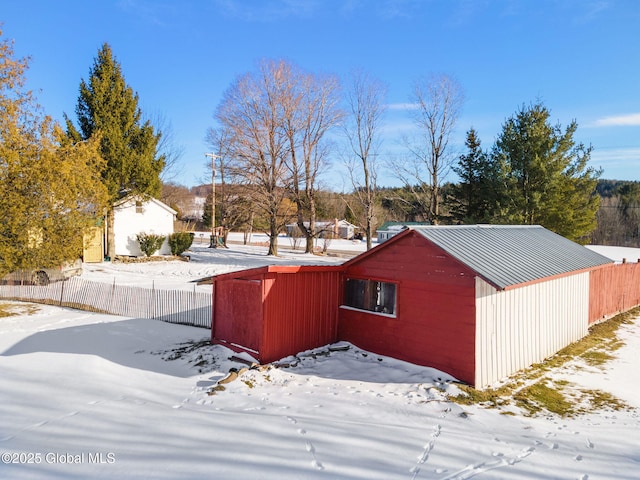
<point x="180" y="241"/>
<point x="150" y="242"/>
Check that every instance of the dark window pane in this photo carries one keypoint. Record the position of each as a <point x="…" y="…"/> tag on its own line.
<point x="370" y="295"/>
<point x="387" y="297"/>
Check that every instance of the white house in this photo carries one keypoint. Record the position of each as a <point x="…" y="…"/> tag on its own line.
<point x="391" y="229"/>
<point x="332" y="229"/>
<point x="133" y="215"/>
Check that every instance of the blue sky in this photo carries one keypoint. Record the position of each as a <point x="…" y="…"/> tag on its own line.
<point x="581" y="58"/>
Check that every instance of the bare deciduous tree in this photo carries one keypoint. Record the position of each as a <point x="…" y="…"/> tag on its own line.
<point x="275" y="123"/>
<point x="251" y="115"/>
<point x="310" y="110"/>
<point x="234" y="201"/>
<point x="438" y="100"/>
<point x="365" y="104"/>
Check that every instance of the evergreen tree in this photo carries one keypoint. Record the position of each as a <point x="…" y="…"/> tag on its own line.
<point x="474" y="197"/>
<point x="545" y="175"/>
<point x="51" y="191"/>
<point x="129" y="145"/>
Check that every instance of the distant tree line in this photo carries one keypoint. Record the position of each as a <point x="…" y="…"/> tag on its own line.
<point x="535" y="173"/>
<point x="618" y="219"/>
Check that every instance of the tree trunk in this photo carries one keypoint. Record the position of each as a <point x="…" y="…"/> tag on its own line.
<point x="273" y="237"/>
<point x="312" y="224"/>
<point x="111" y="238"/>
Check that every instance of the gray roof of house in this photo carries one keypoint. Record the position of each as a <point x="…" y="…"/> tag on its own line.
<point x="507" y="255"/>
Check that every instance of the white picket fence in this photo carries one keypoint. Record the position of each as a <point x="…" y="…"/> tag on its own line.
<point x="173" y="306"/>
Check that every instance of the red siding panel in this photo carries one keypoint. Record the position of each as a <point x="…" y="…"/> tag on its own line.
<point x="238" y="314"/>
<point x="435" y="321"/>
<point x="301" y="312"/>
<point x="274" y="312"/>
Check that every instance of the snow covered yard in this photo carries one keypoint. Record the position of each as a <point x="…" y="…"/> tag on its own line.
<point x="86" y="395"/>
<point x="206" y="261"/>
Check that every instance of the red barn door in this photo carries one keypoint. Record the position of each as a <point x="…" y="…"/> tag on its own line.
<point x="239" y="314"/>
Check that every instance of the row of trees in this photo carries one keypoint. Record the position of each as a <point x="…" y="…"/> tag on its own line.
<point x="277" y="126"/>
<point x="58" y="184"/>
<point x="272" y="142"/>
<point x="617" y="218"/>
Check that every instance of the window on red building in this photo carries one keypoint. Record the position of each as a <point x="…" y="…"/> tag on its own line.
<point x="370" y="295"/>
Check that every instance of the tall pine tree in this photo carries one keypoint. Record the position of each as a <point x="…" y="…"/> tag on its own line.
<point x="545" y="175"/>
<point x="129" y="145"/>
<point x="474" y="196"/>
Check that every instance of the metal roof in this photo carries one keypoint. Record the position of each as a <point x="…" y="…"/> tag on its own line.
<point x="394" y="226"/>
<point x="507" y="255"/>
<point x="248" y="272"/>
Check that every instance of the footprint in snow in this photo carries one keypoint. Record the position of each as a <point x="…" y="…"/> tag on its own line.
<point x="526" y="452"/>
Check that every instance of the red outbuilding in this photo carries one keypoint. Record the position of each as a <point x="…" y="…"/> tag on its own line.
<point x="477" y="302"/>
<point x="275" y="311"/>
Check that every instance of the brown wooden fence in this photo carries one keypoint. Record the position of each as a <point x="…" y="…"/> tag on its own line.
<point x="173" y="306"/>
<point x="613" y="289"/>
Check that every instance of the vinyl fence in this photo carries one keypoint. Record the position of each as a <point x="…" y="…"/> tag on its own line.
<point x="173" y="306"/>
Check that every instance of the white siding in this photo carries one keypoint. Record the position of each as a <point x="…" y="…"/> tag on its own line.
<point x="129" y="221"/>
<point x="516" y="328"/>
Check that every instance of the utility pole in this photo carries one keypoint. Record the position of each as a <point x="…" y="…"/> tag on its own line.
<point x="213" y="243"/>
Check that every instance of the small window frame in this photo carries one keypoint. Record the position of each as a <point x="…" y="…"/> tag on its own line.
<point x="371" y="295"/>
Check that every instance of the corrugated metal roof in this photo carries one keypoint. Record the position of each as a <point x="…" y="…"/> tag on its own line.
<point x="507" y="255"/>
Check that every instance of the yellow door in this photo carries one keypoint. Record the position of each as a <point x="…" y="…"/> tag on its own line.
<point x="93" y="246"/>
